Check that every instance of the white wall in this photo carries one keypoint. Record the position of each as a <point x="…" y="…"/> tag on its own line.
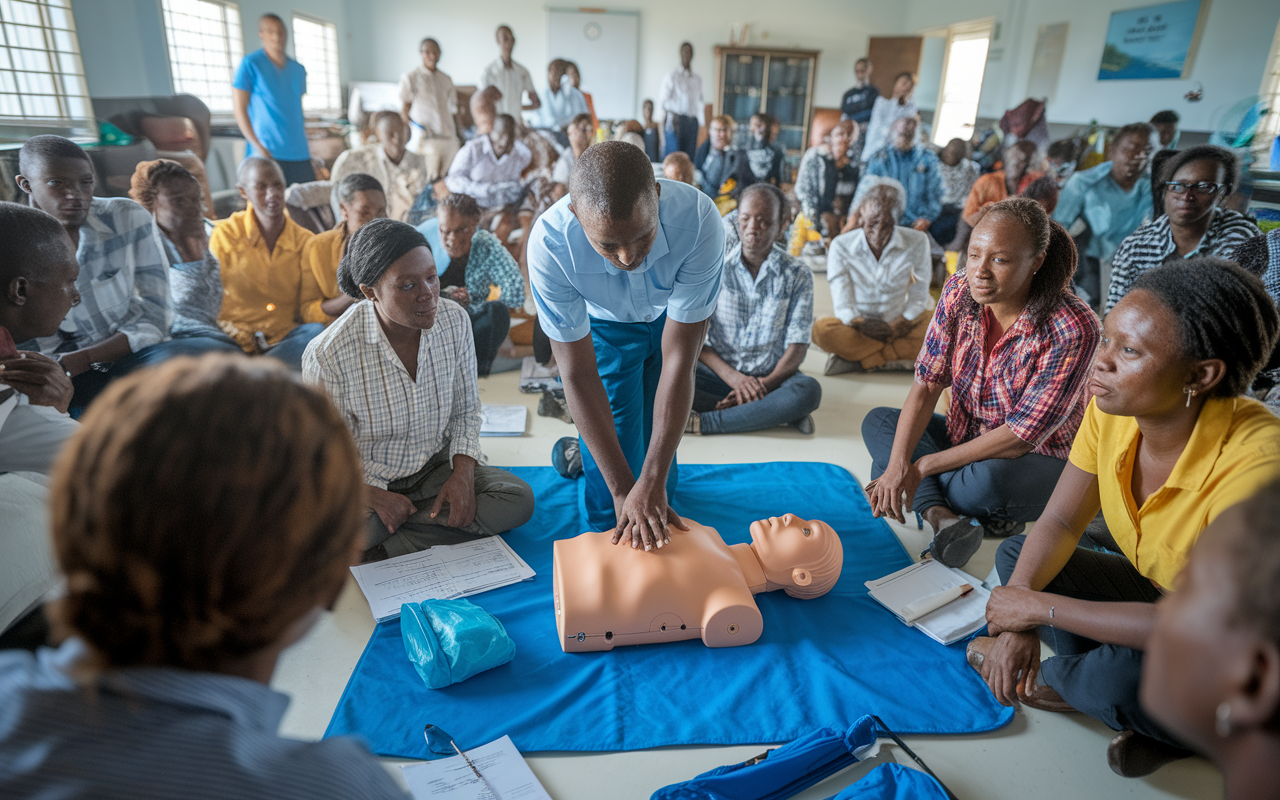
<point x="1232" y="55"/>
<point x="385" y="35"/>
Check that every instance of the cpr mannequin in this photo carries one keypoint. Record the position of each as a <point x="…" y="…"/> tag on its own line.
<point x="695" y="587"/>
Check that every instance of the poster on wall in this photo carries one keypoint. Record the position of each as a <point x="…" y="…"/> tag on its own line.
<point x="1153" y="42"/>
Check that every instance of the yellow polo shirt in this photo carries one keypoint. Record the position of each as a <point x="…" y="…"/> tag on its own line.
<point x="1233" y="452"/>
<point x="320" y="258"/>
<point x="261" y="289"/>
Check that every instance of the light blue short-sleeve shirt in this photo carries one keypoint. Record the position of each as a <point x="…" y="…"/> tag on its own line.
<point x="681" y="275"/>
<point x="275" y="104"/>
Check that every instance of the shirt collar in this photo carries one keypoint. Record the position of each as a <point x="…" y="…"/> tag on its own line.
<point x="771" y="262"/>
<point x="253" y="232"/>
<point x="659" y="250"/>
<point x="95" y="219"/>
<point x="1201" y="453"/>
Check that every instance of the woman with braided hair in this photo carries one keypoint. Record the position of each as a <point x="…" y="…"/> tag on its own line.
<point x="204" y="517"/>
<point x="1167" y="444"/>
<point x="1014" y="344"/>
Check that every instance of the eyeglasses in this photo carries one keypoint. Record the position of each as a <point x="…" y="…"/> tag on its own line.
<point x="1203" y="188"/>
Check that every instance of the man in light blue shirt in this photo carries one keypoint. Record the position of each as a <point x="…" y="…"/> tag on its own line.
<point x="1114" y="198"/>
<point x="562" y="103"/>
<point x="625" y="272"/>
<point x="267" y="96"/>
<point x="917" y="169"/>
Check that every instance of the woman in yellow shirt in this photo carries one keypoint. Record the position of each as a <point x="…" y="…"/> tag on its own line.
<point x="360" y="199"/>
<point x="1166" y="445"/>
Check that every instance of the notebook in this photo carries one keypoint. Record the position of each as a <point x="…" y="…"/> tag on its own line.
<point x="926" y="596"/>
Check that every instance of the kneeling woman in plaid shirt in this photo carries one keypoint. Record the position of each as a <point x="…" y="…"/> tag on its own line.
<point x="401" y="367"/>
<point x="1015" y="346"/>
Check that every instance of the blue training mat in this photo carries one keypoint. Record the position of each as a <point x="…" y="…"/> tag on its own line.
<point x="820" y="663"/>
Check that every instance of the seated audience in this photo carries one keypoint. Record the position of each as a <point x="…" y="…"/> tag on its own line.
<point x="470" y="261"/>
<point x="488" y="168"/>
<point x="402" y="173"/>
<point x="360" y="199"/>
<point x="652" y="133"/>
<point x="124" y="315"/>
<point x="886" y="111"/>
<point x="1014" y="344"/>
<point x="1113" y="198"/>
<point x="748" y="376"/>
<point x="419" y="435"/>
<point x="560" y="104"/>
<point x="204" y="517"/>
<point x="38" y="272"/>
<point x="914" y="166"/>
<point x="1167" y="445"/>
<point x="677" y="166"/>
<point x="721" y="166"/>
<point x="1060" y="161"/>
<point x="1194" y="223"/>
<point x="827" y="179"/>
<point x="857" y="103"/>
<point x="260" y="252"/>
<point x="1261" y="256"/>
<point x="1211" y="675"/>
<point x="580" y="135"/>
<point x="958" y="175"/>
<point x="429" y="107"/>
<point x="879" y="276"/>
<point x="1011" y="181"/>
<point x="764" y="157"/>
<point x="176" y="200"/>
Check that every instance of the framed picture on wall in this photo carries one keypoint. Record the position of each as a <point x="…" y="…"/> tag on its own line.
<point x="1153" y="42"/>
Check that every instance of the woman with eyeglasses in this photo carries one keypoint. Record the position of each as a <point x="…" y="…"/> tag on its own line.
<point x="1194" y="223"/>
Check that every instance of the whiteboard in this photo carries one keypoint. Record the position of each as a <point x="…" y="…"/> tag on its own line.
<point x="605" y="46"/>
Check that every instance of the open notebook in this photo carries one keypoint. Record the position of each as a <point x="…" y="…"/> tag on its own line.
<point x="928" y="596"/>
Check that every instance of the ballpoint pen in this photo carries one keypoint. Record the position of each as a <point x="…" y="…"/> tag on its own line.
<point x="488" y="785"/>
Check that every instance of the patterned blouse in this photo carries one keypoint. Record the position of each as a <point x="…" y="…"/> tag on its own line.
<point x="1034" y="380"/>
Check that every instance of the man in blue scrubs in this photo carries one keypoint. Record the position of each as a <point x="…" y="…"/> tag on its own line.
<point x="625" y="272"/>
<point x="267" y="96"/>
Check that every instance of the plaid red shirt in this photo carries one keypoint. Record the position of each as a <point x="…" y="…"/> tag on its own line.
<point x="1034" y="382"/>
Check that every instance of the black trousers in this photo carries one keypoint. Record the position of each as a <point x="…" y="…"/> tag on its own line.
<point x="489" y="325"/>
<point x="1100" y="680"/>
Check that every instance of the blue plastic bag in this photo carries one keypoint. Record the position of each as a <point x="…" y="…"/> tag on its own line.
<point x="448" y="641"/>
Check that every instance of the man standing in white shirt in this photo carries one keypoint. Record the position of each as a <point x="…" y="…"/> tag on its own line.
<point x="430" y="105"/>
<point x="681" y="100"/>
<point x="510" y="78"/>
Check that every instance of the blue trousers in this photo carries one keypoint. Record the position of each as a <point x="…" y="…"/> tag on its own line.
<point x="998" y="488"/>
<point x="681" y="134"/>
<point x="88" y="385"/>
<point x="797" y="397"/>
<point x="290" y="348"/>
<point x="629" y="359"/>
<point x="1100" y="680"/>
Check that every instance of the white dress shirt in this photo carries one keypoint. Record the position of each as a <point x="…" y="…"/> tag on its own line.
<point x="894" y="285"/>
<point x="493" y="182"/>
<point x="513" y="82"/>
<point x="398" y="422"/>
<point x="682" y="93"/>
<point x="433" y="99"/>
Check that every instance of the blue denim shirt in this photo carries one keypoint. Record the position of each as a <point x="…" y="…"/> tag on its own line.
<point x="918" y="171"/>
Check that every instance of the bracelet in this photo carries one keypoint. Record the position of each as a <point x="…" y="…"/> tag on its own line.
<point x="1051" y="616"/>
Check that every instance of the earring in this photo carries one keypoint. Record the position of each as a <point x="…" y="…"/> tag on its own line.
<point x="1190" y="393"/>
<point x="1222" y="719"/>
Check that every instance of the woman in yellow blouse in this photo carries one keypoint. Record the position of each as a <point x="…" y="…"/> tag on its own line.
<point x="360" y="199"/>
<point x="1166" y="445"/>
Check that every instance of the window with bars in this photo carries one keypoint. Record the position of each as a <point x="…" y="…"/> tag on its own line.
<point x="205" y="48"/>
<point x="315" y="45"/>
<point x="41" y="75"/>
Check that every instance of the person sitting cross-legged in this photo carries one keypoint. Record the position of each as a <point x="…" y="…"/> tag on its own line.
<point x="401" y="367"/>
<point x="879" y="276"/>
<point x="749" y="369"/>
<point x="204" y="518"/>
<point x="260" y="251"/>
<point x="1014" y="344"/>
<point x="489" y="168"/>
<point x="401" y="172"/>
<point x="827" y="179"/>
<point x="360" y="199"/>
<point x="469" y="261"/>
<point x="1167" y="445"/>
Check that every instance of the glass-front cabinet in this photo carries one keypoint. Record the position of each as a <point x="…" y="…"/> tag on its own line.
<point x="775" y="81"/>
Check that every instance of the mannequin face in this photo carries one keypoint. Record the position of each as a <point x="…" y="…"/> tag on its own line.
<point x="792" y="549"/>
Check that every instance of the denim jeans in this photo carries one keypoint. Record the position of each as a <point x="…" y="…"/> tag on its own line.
<point x="796" y="398"/>
<point x="681" y="134"/>
<point x="289" y="349"/>
<point x="89" y="385"/>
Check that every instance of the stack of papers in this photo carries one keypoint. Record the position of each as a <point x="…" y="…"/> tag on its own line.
<point x="504" y="776"/>
<point x="911" y="592"/>
<point x="443" y="572"/>
<point x="503" y="420"/>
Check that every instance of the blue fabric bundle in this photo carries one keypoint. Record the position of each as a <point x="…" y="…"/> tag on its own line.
<point x="893" y="782"/>
<point x="448" y="641"/>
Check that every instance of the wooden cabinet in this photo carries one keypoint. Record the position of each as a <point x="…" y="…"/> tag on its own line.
<point x="776" y="81"/>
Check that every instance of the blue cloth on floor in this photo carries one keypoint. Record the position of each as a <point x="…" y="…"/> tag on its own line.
<point x="819" y="664"/>
<point x="893" y="782"/>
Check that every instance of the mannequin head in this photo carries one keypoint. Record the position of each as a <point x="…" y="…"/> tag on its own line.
<point x="801" y="557"/>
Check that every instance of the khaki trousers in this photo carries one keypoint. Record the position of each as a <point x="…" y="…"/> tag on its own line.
<point x="833" y="336"/>
<point x="438" y="153"/>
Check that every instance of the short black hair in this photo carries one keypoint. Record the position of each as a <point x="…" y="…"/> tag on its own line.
<point x="772" y="191"/>
<point x="1255" y="563"/>
<point x="32" y="240"/>
<point x="1223" y="312"/>
<point x="581" y="118"/>
<point x="463" y="204"/>
<point x="863" y="60"/>
<point x="1205" y="152"/>
<point x="905" y="74"/>
<point x="427" y="41"/>
<point x="39" y="149"/>
<point x="1063" y="150"/>
<point x="1142" y="129"/>
<point x="274" y="18"/>
<point x="610" y="178"/>
<point x="505" y="122"/>
<point x="372" y="251"/>
<point x="1166" y="117"/>
<point x="356" y="182"/>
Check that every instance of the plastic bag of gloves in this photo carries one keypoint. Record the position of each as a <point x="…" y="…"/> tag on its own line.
<point x="449" y="641"/>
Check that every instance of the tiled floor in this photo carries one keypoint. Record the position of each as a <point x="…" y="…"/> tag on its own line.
<point x="1039" y="755"/>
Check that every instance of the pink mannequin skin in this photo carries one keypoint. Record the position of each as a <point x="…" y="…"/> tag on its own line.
<point x="698" y="587"/>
